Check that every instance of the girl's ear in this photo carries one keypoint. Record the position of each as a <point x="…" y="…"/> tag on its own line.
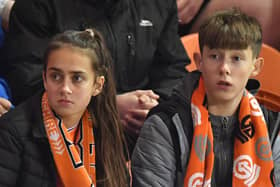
<point x="44" y="79"/>
<point x="98" y="85"/>
<point x="258" y="64"/>
<point x="197" y="60"/>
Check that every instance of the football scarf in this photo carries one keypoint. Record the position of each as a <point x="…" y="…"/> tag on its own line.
<point x="75" y="161"/>
<point x="253" y="163"/>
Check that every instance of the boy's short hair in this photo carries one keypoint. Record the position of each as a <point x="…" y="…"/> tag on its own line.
<point x="231" y="29"/>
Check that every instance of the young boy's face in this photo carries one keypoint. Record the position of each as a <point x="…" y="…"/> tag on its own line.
<point x="225" y="72"/>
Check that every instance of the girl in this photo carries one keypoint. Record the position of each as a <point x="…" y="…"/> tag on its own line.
<point x="70" y="135"/>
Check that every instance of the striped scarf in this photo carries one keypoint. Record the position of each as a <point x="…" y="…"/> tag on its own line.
<point x="253" y="163"/>
<point x="75" y="161"/>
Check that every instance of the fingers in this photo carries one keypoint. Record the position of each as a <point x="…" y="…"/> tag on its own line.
<point x="135" y="120"/>
<point x="134" y="123"/>
<point x="152" y="94"/>
<point x="132" y="130"/>
<point x="137" y="114"/>
<point x="185" y="15"/>
<point x="181" y="4"/>
<point x="132" y="126"/>
<point x="2" y="110"/>
<point x="144" y="99"/>
<point x="147" y="98"/>
<point x="5" y="106"/>
<point x="5" y="103"/>
<point x="149" y="93"/>
<point x="187" y="9"/>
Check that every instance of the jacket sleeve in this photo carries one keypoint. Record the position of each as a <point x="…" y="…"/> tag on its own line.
<point x="170" y="57"/>
<point x="10" y="155"/>
<point x="153" y="159"/>
<point x="276" y="150"/>
<point x="276" y="159"/>
<point x="31" y="25"/>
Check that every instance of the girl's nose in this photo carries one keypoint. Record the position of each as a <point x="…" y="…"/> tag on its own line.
<point x="66" y="87"/>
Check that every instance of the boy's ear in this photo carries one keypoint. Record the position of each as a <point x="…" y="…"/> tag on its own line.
<point x="98" y="85"/>
<point x="197" y="60"/>
<point x="257" y="66"/>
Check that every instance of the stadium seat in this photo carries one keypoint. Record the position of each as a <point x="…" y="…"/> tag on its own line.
<point x="269" y="93"/>
<point x="191" y="45"/>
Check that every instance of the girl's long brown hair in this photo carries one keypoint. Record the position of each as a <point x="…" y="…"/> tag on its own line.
<point x="110" y="142"/>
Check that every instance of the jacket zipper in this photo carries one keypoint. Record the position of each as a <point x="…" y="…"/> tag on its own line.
<point x="131" y="44"/>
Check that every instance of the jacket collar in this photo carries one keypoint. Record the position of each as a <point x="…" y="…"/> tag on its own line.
<point x="38" y="129"/>
<point x="185" y="88"/>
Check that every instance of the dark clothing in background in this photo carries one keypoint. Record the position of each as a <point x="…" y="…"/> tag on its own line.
<point x="140" y="34"/>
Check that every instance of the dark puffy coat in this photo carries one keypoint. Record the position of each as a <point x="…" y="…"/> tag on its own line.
<point x="140" y="34"/>
<point x="26" y="159"/>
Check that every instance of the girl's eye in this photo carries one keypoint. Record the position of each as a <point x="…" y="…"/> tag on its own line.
<point x="77" y="78"/>
<point x="55" y="76"/>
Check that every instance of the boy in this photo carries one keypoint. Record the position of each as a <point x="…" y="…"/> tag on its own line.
<point x="212" y="131"/>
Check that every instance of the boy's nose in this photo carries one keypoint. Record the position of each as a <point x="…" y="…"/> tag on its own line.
<point x="225" y="68"/>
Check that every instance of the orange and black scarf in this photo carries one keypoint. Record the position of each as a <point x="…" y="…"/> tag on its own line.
<point x="75" y="161"/>
<point x="253" y="163"/>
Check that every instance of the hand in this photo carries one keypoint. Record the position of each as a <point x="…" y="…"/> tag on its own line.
<point x="187" y="9"/>
<point x="134" y="107"/>
<point x="5" y="106"/>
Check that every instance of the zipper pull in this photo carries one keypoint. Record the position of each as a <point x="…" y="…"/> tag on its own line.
<point x="224" y="122"/>
<point x="131" y="43"/>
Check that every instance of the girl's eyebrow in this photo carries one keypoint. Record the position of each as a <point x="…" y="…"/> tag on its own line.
<point x="55" y="69"/>
<point x="72" y="72"/>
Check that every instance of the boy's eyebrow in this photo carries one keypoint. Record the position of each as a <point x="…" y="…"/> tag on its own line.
<point x="240" y="52"/>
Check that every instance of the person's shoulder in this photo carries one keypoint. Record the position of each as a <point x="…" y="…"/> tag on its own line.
<point x="269" y="114"/>
<point x="180" y="99"/>
<point x="32" y="10"/>
<point x="22" y="118"/>
<point x="272" y="119"/>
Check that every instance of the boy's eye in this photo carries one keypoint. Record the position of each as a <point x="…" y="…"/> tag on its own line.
<point x="214" y="56"/>
<point x="236" y="58"/>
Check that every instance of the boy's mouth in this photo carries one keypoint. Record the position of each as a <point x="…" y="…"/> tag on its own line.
<point x="224" y="83"/>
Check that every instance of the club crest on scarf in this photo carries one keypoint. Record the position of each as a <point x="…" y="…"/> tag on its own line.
<point x="196" y="180"/>
<point x="245" y="169"/>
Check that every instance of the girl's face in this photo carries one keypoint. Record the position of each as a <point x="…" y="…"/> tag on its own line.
<point x="70" y="82"/>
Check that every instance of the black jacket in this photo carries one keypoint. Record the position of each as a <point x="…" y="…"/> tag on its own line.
<point x="25" y="156"/>
<point x="141" y="35"/>
<point x="161" y="154"/>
